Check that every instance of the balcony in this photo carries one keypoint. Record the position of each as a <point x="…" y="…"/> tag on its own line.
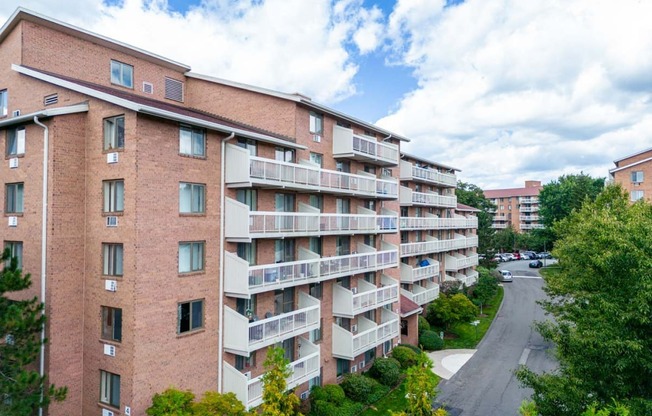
<point x="365" y="335"/>
<point x="471" y="241"/>
<point x="243" y="280"/>
<point x="528" y="200"/>
<point x="347" y="144"/>
<point x="468" y="279"/>
<point x="431" y="222"/>
<point x="411" y="274"/>
<point x="499" y="226"/>
<point x="433" y="245"/>
<point x="529" y="209"/>
<point x="532" y="226"/>
<point x="354" y="301"/>
<point x="244" y="225"/>
<point x="410" y="172"/>
<point x="422" y="293"/>
<point x="456" y="261"/>
<point x="245" y="171"/>
<point x="500" y="217"/>
<point x="408" y="197"/>
<point x="250" y="390"/>
<point x="529" y="218"/>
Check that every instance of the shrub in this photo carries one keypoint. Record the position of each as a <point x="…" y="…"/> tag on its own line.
<point x="423" y="324"/>
<point x="430" y="341"/>
<point x="171" y="402"/>
<point x="386" y="370"/>
<point x="362" y="389"/>
<point x="332" y="393"/>
<point x="405" y="356"/>
<point x="414" y="348"/>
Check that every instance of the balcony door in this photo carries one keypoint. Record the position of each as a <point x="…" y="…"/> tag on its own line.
<point x="285" y="203"/>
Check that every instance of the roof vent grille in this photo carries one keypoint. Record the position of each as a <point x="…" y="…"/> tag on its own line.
<point x="148" y="88"/>
<point x="173" y="89"/>
<point x="51" y="99"/>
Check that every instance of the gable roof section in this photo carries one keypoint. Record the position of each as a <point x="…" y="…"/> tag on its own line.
<point x="157" y="108"/>
<point x="632" y="155"/>
<point x="430" y="162"/>
<point x="466" y="208"/>
<point x="408" y="307"/>
<point x="27" y="15"/>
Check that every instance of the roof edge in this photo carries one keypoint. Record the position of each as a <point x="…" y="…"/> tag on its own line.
<point x="632" y="155"/>
<point x="614" y="170"/>
<point x="51" y="112"/>
<point x="423" y="159"/>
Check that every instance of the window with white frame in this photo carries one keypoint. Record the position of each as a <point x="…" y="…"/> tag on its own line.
<point x="16" y="250"/>
<point x="191" y="256"/>
<point x="248" y="144"/>
<point x="317" y="158"/>
<point x="110" y="388"/>
<point x="114" y="133"/>
<point x="190" y="316"/>
<point x="114" y="195"/>
<point x="636" y="195"/>
<point x="192" y="141"/>
<point x="111" y="323"/>
<point x="112" y="259"/>
<point x="16" y="141"/>
<point x="3" y="103"/>
<point x="245" y="363"/>
<point x="316" y="123"/>
<point x="192" y="198"/>
<point x="122" y="74"/>
<point x="14" y="198"/>
<point x="637" y="176"/>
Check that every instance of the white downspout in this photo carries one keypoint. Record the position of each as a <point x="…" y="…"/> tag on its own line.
<point x="221" y="291"/>
<point x="44" y="230"/>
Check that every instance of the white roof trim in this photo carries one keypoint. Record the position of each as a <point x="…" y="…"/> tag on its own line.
<point x="50" y="112"/>
<point x="422" y="159"/>
<point x="243" y="86"/>
<point x="141" y="108"/>
<point x="632" y="155"/>
<point x="614" y="170"/>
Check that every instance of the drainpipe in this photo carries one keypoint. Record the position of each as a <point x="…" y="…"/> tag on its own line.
<point x="44" y="228"/>
<point x="221" y="290"/>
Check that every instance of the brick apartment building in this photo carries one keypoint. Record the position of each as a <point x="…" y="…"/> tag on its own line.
<point x="518" y="207"/>
<point x="630" y="172"/>
<point x="189" y="223"/>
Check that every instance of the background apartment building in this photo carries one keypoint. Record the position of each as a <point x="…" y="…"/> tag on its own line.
<point x="631" y="171"/>
<point x="180" y="244"/>
<point x="518" y="207"/>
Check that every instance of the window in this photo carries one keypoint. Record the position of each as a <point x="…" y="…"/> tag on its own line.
<point x="247" y="251"/>
<point x="249" y="145"/>
<point x="16" y="141"/>
<point x="246" y="307"/>
<point x="191" y="316"/>
<point x="369" y="355"/>
<point x="191" y="257"/>
<point x="315" y="290"/>
<point x="316" y="201"/>
<point x="244" y="363"/>
<point x="111" y="323"/>
<point x="14" y="198"/>
<point x="114" y="133"/>
<point x="112" y="259"/>
<point x="636" y="195"/>
<point x="284" y="154"/>
<point x="404" y="327"/>
<point x="16" y="249"/>
<point x="315" y="381"/>
<point x="191" y="198"/>
<point x="317" y="158"/>
<point x="637" y="176"/>
<point x="122" y="74"/>
<point x="315" y="244"/>
<point x="249" y="197"/>
<point x="110" y="388"/>
<point x="114" y="195"/>
<point x="192" y="141"/>
<point x="316" y="123"/>
<point x="316" y="334"/>
<point x="342" y="367"/>
<point x="3" y="103"/>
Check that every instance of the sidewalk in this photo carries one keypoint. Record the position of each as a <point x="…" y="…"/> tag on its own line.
<point x="448" y="362"/>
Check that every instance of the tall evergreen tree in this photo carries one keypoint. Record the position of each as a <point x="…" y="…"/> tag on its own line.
<point x="22" y="389"/>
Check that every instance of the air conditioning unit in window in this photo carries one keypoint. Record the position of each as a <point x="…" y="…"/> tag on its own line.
<point x="107" y="412"/>
<point x="127" y="411"/>
<point x="109" y="350"/>
<point x="13" y="221"/>
<point x="248" y="375"/>
<point x="111" y="221"/>
<point x="362" y="364"/>
<point x="15" y="113"/>
<point x="354" y="328"/>
<point x="316" y="138"/>
<point x="13" y="163"/>
<point x="111" y="285"/>
<point x="112" y="157"/>
<point x="354" y="369"/>
<point x="305" y="394"/>
<point x="354" y="290"/>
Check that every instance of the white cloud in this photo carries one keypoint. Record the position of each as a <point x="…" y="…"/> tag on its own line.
<point x="510" y="90"/>
<point x="287" y="45"/>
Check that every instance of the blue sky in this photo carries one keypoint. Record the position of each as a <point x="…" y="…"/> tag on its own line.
<point x="505" y="90"/>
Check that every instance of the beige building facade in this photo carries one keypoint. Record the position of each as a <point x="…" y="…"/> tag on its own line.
<point x="516" y="207"/>
<point x="634" y="174"/>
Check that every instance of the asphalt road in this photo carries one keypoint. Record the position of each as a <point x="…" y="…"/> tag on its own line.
<point x="486" y="385"/>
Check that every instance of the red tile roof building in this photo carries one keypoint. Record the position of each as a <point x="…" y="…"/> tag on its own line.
<point x="518" y="207"/>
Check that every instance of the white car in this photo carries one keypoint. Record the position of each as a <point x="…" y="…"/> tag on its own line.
<point x="505" y="276"/>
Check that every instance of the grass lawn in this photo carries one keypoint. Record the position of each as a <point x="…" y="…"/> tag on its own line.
<point x="394" y="401"/>
<point x="466" y="333"/>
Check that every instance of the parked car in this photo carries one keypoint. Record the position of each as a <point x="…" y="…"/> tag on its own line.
<point x="531" y="255"/>
<point x="545" y="255"/>
<point x="505" y="276"/>
<point x="517" y="255"/>
<point x="509" y="256"/>
<point x="498" y="258"/>
<point x="536" y="264"/>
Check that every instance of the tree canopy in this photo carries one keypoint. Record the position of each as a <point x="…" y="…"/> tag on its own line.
<point x="559" y="198"/>
<point x="601" y="302"/>
<point x="447" y="311"/>
<point x="471" y="195"/>
<point x="277" y="401"/>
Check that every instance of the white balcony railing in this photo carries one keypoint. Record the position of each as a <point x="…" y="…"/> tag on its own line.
<point x="244" y="170"/>
<point x="363" y="148"/>
<point x="500" y="217"/>
<point x="422" y="293"/>
<point x="410" y="197"/>
<point x="270" y="330"/>
<point x="250" y="390"/>
<point x="468" y="279"/>
<point x="245" y="225"/>
<point x="532" y="226"/>
<point x="351" y="302"/>
<point x="529" y="218"/>
<point x="433" y="245"/>
<point x="455" y="261"/>
<point x="528" y="200"/>
<point x="410" y="172"/>
<point x="411" y="274"/>
<point x="534" y="208"/>
<point x="499" y="225"/>
<point x="348" y="344"/>
<point x="243" y="279"/>
<point x="436" y="223"/>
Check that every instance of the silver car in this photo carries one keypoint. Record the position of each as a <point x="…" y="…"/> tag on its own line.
<point x="505" y="276"/>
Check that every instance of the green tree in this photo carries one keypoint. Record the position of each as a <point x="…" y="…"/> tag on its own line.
<point x="559" y="198"/>
<point x="216" y="404"/>
<point x="448" y="311"/>
<point x="486" y="288"/>
<point x="277" y="401"/>
<point x="505" y="240"/>
<point x="601" y="302"/>
<point x="21" y="322"/>
<point x="471" y="195"/>
<point x="172" y="402"/>
<point x="421" y="389"/>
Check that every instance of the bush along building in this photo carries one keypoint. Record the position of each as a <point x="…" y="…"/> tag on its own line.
<point x="180" y="225"/>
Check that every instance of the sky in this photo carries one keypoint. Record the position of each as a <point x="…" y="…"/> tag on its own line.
<point x="504" y="90"/>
